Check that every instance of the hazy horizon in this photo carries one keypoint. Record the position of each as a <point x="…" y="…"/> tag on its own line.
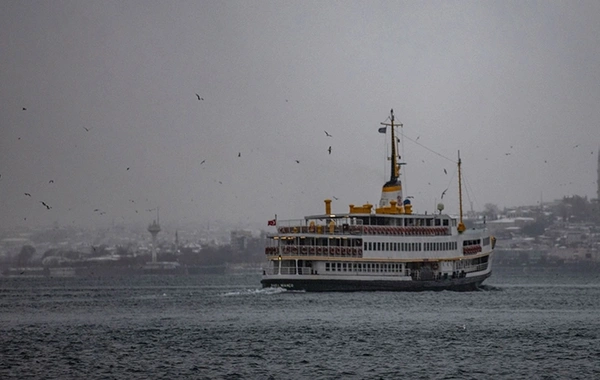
<point x="100" y="108"/>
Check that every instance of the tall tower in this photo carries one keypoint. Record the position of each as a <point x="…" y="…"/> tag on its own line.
<point x="154" y="229"/>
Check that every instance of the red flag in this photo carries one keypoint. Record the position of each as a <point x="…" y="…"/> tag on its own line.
<point x="272" y="222"/>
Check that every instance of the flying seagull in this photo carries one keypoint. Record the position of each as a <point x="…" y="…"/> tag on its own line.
<point x="24" y="109"/>
<point x="51" y="181"/>
<point x="445" y="172"/>
<point x="86" y="129"/>
<point x="327" y="134"/>
<point x="336" y="198"/>
<point x="444" y="192"/>
<point x="28" y="194"/>
<point x="329" y="149"/>
<point x="203" y="161"/>
<point x="46" y="205"/>
<point x="239" y="154"/>
<point x="199" y="98"/>
<point x="297" y="161"/>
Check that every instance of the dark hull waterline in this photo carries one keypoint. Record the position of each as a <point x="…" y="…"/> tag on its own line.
<point x="333" y="285"/>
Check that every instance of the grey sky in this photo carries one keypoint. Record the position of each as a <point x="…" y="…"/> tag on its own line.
<point x="488" y="78"/>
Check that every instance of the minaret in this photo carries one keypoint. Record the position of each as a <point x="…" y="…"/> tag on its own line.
<point x="154" y="229"/>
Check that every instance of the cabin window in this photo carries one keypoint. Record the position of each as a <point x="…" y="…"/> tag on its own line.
<point x="486" y="241"/>
<point x="438" y="222"/>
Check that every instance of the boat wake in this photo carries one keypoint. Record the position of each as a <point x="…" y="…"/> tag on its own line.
<point x="252" y="292"/>
<point x="489" y="288"/>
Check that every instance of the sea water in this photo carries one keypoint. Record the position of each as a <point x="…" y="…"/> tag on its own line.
<point x="521" y="325"/>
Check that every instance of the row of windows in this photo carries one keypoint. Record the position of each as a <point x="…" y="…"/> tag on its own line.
<point x="402" y="222"/>
<point x="441" y="246"/>
<point x="391" y="246"/>
<point x="363" y="267"/>
<point x="472" y="242"/>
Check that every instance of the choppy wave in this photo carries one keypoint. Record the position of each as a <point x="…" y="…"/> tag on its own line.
<point x="222" y="330"/>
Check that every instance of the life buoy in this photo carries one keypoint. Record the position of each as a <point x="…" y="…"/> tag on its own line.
<point x="304" y="250"/>
<point x="435" y="266"/>
<point x="294" y="249"/>
<point x="338" y="250"/>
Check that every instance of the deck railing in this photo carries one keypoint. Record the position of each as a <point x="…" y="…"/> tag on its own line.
<point x="314" y="250"/>
<point x="347" y="229"/>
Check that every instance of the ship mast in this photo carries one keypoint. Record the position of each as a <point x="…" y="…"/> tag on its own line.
<point x="461" y="226"/>
<point x="394" y="171"/>
<point x="391" y="193"/>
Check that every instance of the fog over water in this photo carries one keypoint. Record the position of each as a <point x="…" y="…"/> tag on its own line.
<point x="100" y="106"/>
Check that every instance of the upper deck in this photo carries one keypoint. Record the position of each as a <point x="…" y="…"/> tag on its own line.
<point x="370" y="224"/>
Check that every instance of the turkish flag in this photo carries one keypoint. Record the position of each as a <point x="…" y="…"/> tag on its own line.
<point x="272" y="222"/>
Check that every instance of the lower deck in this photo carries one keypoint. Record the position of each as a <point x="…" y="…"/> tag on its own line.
<point x="348" y="275"/>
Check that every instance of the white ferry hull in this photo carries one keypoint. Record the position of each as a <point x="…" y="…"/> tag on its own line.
<point x="318" y="283"/>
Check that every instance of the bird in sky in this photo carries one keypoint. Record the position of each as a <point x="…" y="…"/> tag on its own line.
<point x="239" y="154"/>
<point x="28" y="194"/>
<point x="445" y="172"/>
<point x="329" y="149"/>
<point x="297" y="161"/>
<point x="86" y="129"/>
<point x="96" y="210"/>
<point x="51" y="181"/>
<point x="127" y="168"/>
<point x="417" y="139"/>
<point x="327" y="134"/>
<point x="203" y="161"/>
<point x="443" y="193"/>
<point x="336" y="198"/>
<point x="45" y="205"/>
<point x="199" y="98"/>
<point x="24" y="109"/>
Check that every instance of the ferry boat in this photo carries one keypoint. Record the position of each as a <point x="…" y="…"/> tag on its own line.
<point x="386" y="248"/>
